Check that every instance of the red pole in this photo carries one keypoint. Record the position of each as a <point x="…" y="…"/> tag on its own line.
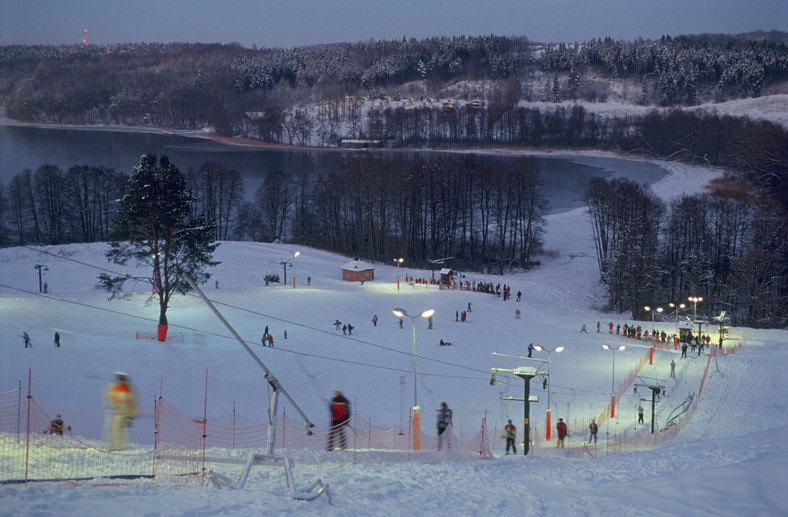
<point x="293" y="281"/>
<point x="547" y="425"/>
<point x="651" y="354"/>
<point x="612" y="405"/>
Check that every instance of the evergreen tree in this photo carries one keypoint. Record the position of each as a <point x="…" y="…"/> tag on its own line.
<point x="153" y="227"/>
<point x="556" y="91"/>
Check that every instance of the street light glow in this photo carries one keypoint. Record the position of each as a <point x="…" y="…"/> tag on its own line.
<point x="400" y="312"/>
<point x="648" y="309"/>
<point x="558" y="349"/>
<point x="677" y="307"/>
<point x="695" y="300"/>
<point x="613" y="382"/>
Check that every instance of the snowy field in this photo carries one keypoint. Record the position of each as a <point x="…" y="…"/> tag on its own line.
<point x="731" y="459"/>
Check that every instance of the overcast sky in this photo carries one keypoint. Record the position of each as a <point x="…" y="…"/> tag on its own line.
<point x="290" y="23"/>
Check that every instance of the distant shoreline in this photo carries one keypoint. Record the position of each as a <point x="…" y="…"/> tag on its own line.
<point x="250" y="142"/>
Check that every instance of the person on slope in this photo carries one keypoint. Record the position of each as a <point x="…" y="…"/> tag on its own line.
<point x="444" y="421"/>
<point x="340" y="416"/>
<point x="510" y="431"/>
<point x="560" y="428"/>
<point x="57" y="426"/>
<point x="121" y="401"/>
<point x="593" y="427"/>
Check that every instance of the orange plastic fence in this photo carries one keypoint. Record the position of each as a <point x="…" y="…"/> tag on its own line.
<point x="173" y="447"/>
<point x="614" y="443"/>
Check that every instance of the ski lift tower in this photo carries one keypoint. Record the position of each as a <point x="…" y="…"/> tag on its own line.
<point x="656" y="387"/>
<point x="720" y="320"/>
<point x="440" y="261"/>
<point x="526" y="373"/>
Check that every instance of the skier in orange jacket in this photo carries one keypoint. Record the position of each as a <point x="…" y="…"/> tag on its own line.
<point x="121" y="401"/>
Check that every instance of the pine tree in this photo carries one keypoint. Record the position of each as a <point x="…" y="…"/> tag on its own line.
<point x="556" y="91"/>
<point x="153" y="227"/>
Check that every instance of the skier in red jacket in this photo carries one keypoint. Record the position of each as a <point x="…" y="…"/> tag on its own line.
<point x="340" y="415"/>
<point x="560" y="428"/>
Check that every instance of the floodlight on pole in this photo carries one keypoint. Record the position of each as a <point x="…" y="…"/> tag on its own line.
<point x="398" y="261"/>
<point x="557" y="349"/>
<point x="613" y="383"/>
<point x="400" y="313"/>
<point x="677" y="307"/>
<point x="648" y="309"/>
<point x="695" y="300"/>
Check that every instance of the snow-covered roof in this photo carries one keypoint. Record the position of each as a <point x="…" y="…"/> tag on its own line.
<point x="357" y="265"/>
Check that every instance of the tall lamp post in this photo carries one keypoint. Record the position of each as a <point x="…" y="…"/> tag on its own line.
<point x="416" y="409"/>
<point x="613" y="384"/>
<point x="557" y="349"/>
<point x="398" y="262"/>
<point x="677" y="307"/>
<point x="648" y="309"/>
<point x="695" y="300"/>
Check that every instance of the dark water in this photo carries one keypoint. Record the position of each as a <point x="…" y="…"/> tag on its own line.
<point x="26" y="147"/>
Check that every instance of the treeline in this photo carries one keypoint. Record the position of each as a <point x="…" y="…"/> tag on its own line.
<point x="727" y="246"/>
<point x="486" y="214"/>
<point x="755" y="150"/>
<point x="198" y="85"/>
<point x="677" y="71"/>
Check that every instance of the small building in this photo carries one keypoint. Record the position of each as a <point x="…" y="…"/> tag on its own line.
<point x="447" y="275"/>
<point x="357" y="271"/>
<point x="685" y="331"/>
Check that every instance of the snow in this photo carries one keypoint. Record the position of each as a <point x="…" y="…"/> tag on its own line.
<point x="731" y="459"/>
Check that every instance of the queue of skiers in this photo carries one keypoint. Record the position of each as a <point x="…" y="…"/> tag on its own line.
<point x="688" y="341"/>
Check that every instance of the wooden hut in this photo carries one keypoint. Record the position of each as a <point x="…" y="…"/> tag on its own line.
<point x="357" y="271"/>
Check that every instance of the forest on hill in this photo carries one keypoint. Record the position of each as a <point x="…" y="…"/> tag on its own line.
<point x="461" y="92"/>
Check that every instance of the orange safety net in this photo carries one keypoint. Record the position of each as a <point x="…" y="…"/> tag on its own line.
<point x="175" y="448"/>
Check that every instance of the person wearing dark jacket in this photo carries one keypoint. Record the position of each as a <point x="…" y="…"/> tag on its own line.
<point x="444" y="421"/>
<point x="593" y="428"/>
<point x="340" y="416"/>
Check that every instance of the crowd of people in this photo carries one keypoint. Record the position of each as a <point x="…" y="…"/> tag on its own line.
<point x="497" y="289"/>
<point x="637" y="332"/>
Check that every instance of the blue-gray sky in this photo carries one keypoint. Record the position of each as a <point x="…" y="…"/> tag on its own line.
<point x="289" y="23"/>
